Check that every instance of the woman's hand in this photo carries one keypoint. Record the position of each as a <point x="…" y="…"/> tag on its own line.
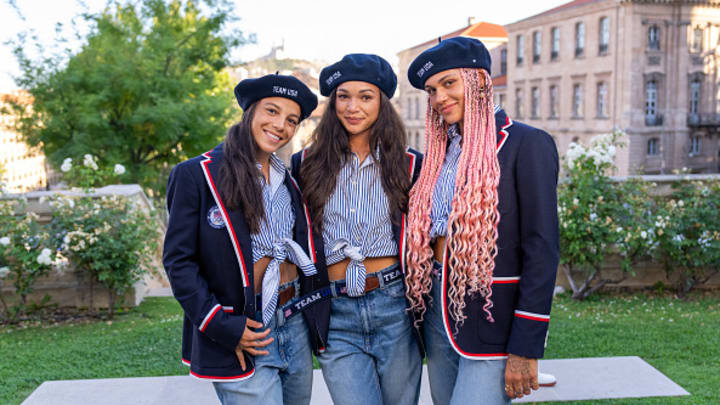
<point x="251" y="341"/>
<point x="521" y="375"/>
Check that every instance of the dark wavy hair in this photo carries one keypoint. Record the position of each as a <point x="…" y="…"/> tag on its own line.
<point x="239" y="185"/>
<point x="330" y="149"/>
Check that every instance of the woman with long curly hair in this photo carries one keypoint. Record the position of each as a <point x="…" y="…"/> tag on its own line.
<point x="240" y="257"/>
<point x="355" y="177"/>
<point x="482" y="233"/>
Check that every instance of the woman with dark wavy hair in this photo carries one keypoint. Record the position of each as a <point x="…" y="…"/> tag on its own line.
<point x="240" y="257"/>
<point x="355" y="177"/>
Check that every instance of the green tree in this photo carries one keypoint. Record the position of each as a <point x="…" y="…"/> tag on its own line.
<point x="147" y="89"/>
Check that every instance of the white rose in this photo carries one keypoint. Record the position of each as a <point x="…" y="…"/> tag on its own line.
<point x="4" y="271"/>
<point x="119" y="169"/>
<point x="4" y="241"/>
<point x="680" y="203"/>
<point x="89" y="161"/>
<point x="66" y="166"/>
<point x="44" y="260"/>
<point x="643" y="234"/>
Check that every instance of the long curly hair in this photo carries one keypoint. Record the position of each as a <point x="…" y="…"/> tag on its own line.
<point x="472" y="224"/>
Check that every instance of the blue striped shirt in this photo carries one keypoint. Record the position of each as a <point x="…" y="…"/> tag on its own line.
<point x="279" y="212"/>
<point x="445" y="186"/>
<point x="358" y="212"/>
<point x="275" y="237"/>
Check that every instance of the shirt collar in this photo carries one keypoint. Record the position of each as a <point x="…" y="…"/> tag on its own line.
<point x="370" y="159"/>
<point x="453" y="132"/>
<point x="277" y="171"/>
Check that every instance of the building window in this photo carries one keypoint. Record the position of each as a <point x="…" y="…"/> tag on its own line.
<point x="604" y="35"/>
<point x="697" y="40"/>
<point x="518" y="103"/>
<point x="577" y="100"/>
<point x="537" y="46"/>
<point x="651" y="98"/>
<point x="503" y="62"/>
<point x="408" y="112"/>
<point x="553" y="101"/>
<point x="520" y="49"/>
<point x="651" y="117"/>
<point x="417" y="108"/>
<point x="579" y="39"/>
<point x="654" y="38"/>
<point x="652" y="147"/>
<point x="695" y="145"/>
<point x="501" y="100"/>
<point x="535" y="103"/>
<point x="695" y="96"/>
<point x="555" y="46"/>
<point x="602" y="93"/>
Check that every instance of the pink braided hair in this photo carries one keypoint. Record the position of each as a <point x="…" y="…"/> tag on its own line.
<point x="473" y="220"/>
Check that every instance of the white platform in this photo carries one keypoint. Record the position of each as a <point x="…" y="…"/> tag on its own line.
<point x="578" y="379"/>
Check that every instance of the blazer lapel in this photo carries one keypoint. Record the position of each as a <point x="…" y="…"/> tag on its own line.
<point x="502" y="123"/>
<point x="235" y="223"/>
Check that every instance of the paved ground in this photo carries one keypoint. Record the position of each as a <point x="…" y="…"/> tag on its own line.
<point x="578" y="379"/>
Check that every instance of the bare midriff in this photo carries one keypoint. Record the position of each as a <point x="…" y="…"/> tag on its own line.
<point x="439" y="248"/>
<point x="288" y="272"/>
<point x="338" y="270"/>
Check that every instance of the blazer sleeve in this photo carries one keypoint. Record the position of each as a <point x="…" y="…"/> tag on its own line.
<point x="536" y="175"/>
<point x="180" y="259"/>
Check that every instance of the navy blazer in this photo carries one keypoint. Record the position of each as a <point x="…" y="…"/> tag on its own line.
<point x="399" y="226"/>
<point x="527" y="251"/>
<point x="208" y="259"/>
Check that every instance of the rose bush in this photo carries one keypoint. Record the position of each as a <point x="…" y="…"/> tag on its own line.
<point x="27" y="252"/>
<point x="87" y="173"/>
<point x="108" y="239"/>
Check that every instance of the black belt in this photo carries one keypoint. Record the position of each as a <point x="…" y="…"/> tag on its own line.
<point x="298" y="304"/>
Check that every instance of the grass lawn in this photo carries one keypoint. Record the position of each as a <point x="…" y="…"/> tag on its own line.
<point x="680" y="338"/>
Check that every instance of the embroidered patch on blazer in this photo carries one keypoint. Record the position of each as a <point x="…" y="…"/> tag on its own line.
<point x="215" y="218"/>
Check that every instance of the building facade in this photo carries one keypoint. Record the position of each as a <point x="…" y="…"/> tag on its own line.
<point x="411" y="103"/>
<point x="647" y="67"/>
<point x="22" y="168"/>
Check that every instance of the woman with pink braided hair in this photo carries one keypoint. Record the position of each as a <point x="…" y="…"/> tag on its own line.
<point x="482" y="248"/>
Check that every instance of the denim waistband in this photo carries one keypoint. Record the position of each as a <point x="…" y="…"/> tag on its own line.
<point x="387" y="276"/>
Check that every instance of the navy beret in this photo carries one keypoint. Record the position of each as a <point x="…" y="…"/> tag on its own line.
<point x="457" y="52"/>
<point x="249" y="91"/>
<point x="359" y="67"/>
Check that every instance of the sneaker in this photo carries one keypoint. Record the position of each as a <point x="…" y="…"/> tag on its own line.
<point x="546" y="380"/>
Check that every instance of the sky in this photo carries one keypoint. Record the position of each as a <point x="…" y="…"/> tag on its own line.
<point x="323" y="30"/>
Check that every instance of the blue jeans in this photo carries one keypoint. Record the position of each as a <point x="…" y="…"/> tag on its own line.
<point x="456" y="380"/>
<point x="282" y="377"/>
<point x="371" y="356"/>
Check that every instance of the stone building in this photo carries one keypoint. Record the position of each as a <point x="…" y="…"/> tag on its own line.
<point x="412" y="103"/>
<point x="22" y="167"/>
<point x="647" y="67"/>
